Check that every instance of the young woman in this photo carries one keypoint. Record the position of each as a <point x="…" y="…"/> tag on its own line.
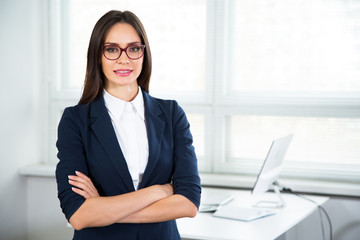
<point x="127" y="165"/>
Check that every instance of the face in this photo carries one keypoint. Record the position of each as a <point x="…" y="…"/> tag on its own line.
<point x="124" y="71"/>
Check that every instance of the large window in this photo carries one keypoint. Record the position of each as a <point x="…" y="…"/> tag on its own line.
<point x="245" y="71"/>
<point x="291" y="67"/>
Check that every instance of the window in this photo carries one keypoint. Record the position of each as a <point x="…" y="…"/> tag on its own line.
<point x="291" y="67"/>
<point x="245" y="72"/>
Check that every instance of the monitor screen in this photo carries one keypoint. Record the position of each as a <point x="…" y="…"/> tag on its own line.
<point x="272" y="165"/>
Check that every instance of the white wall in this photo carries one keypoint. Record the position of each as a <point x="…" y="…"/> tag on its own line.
<point x="29" y="209"/>
<point x="345" y="217"/>
<point x="19" y="106"/>
<point x="45" y="219"/>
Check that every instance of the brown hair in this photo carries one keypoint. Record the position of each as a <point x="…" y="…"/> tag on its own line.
<point x="95" y="79"/>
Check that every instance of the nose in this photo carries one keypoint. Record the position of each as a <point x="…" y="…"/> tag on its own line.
<point x="123" y="59"/>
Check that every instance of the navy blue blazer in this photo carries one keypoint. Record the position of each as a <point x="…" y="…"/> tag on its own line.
<point x="87" y="143"/>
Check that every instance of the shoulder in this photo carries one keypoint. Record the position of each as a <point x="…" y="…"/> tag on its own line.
<point x="164" y="106"/>
<point x="86" y="110"/>
<point x="167" y="104"/>
<point x="72" y="120"/>
<point x="77" y="111"/>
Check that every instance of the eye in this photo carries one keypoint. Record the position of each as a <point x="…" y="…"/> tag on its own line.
<point x="134" y="49"/>
<point x="111" y="49"/>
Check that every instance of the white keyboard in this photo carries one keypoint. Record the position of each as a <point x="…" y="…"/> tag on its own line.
<point x="242" y="213"/>
<point x="211" y="203"/>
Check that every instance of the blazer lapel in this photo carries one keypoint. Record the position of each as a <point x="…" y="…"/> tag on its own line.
<point x="104" y="131"/>
<point x="155" y="127"/>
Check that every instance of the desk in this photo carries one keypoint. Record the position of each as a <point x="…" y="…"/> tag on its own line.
<point x="205" y="226"/>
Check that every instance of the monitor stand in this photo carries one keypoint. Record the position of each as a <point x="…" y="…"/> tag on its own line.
<point x="272" y="204"/>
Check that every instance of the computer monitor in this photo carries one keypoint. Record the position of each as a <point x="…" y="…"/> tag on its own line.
<point x="270" y="171"/>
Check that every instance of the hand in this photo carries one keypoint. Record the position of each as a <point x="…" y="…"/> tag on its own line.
<point x="83" y="185"/>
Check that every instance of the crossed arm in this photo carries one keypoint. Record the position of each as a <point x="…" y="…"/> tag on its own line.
<point x="156" y="203"/>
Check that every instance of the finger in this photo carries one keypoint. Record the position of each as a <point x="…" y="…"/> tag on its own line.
<point x="89" y="191"/>
<point x="83" y="186"/>
<point x="83" y="190"/>
<point x="80" y="192"/>
<point x="80" y="174"/>
<point x="81" y="179"/>
<point x="85" y="183"/>
<point x="77" y="184"/>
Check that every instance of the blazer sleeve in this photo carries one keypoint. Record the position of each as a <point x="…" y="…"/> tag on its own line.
<point x="71" y="158"/>
<point x="186" y="180"/>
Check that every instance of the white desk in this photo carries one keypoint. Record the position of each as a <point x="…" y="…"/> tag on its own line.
<point x="205" y="226"/>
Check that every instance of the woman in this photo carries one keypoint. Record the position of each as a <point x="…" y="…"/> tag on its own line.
<point x="127" y="166"/>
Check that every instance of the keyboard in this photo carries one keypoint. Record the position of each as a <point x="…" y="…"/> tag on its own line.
<point x="211" y="203"/>
<point x="242" y="213"/>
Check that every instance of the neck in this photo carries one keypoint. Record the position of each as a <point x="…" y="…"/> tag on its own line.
<point x="125" y="93"/>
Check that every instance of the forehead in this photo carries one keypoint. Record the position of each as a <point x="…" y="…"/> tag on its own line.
<point x="122" y="33"/>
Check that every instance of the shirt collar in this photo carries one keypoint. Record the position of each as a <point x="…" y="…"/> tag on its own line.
<point x="116" y="106"/>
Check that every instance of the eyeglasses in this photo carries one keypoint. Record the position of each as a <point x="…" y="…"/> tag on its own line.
<point x="133" y="52"/>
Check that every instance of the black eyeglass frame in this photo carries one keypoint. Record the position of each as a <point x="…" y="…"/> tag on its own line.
<point x="123" y="50"/>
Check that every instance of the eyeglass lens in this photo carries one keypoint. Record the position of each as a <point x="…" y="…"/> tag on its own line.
<point x="114" y="52"/>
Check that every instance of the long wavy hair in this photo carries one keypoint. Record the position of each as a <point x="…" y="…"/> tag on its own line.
<point x="95" y="78"/>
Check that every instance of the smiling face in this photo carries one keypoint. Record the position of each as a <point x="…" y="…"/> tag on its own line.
<point x="121" y="74"/>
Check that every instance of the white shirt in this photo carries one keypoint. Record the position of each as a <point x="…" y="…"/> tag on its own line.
<point x="128" y="119"/>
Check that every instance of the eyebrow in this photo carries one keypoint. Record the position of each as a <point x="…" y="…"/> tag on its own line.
<point x="131" y="43"/>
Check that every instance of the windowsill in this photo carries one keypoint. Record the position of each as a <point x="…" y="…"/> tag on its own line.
<point x="310" y="186"/>
<point x="38" y="170"/>
<point x="332" y="188"/>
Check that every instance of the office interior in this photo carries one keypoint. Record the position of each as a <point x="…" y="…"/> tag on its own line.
<point x="29" y="208"/>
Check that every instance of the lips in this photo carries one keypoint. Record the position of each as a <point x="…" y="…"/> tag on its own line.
<point x="123" y="72"/>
